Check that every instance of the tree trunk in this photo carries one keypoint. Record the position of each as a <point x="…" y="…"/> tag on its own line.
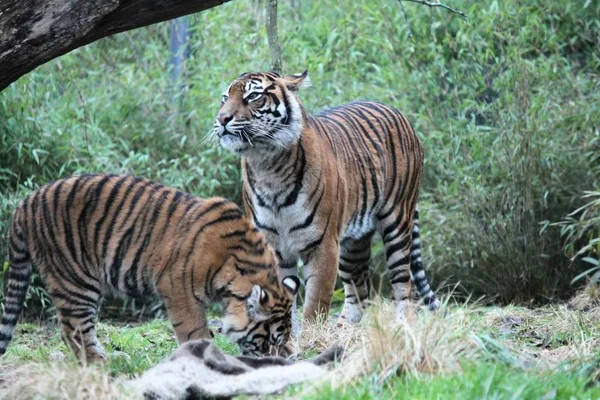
<point x="273" y="36"/>
<point x="178" y="51"/>
<point x="33" y="32"/>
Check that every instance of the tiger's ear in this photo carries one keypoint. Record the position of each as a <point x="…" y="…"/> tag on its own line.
<point x="257" y="298"/>
<point x="291" y="284"/>
<point x="297" y="81"/>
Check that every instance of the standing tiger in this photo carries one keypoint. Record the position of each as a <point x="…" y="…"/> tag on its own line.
<point x="93" y="234"/>
<point x="319" y="186"/>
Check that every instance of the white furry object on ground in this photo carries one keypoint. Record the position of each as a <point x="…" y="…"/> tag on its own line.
<point x="198" y="369"/>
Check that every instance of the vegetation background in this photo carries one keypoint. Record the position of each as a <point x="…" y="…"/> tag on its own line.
<point x="506" y="102"/>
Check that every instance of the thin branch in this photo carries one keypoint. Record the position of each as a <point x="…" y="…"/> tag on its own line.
<point x="272" y="36"/>
<point x="437" y="4"/>
<point x="406" y="19"/>
<point x="83" y="105"/>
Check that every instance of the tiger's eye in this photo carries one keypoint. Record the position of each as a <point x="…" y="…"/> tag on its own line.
<point x="254" y="96"/>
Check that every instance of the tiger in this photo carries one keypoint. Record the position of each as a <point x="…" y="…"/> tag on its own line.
<point x="320" y="186"/>
<point x="97" y="234"/>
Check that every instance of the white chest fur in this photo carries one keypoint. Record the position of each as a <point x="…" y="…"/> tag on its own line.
<point x="287" y="233"/>
<point x="285" y="228"/>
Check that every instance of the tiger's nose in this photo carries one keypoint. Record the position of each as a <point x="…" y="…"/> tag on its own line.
<point x="224" y="119"/>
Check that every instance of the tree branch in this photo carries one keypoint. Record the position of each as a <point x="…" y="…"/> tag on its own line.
<point x="406" y="19"/>
<point x="33" y="32"/>
<point x="437" y="4"/>
<point x="272" y="35"/>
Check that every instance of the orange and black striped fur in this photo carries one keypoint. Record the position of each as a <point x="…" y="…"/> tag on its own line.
<point x="94" y="234"/>
<point x="319" y="187"/>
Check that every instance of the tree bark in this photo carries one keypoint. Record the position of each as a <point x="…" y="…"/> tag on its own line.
<point x="33" y="32"/>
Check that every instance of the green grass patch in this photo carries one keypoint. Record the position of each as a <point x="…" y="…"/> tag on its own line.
<point x="130" y="349"/>
<point x="477" y="381"/>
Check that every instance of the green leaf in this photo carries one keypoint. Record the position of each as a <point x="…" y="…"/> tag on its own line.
<point x="591" y="260"/>
<point x="584" y="274"/>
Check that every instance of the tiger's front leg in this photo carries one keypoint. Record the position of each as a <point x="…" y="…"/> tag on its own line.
<point x="320" y="272"/>
<point x="187" y="315"/>
<point x="290" y="268"/>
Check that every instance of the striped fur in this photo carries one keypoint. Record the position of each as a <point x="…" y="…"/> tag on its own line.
<point x="320" y="186"/>
<point x="93" y="234"/>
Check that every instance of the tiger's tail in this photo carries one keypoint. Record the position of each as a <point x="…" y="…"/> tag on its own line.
<point x="416" y="267"/>
<point x="19" y="275"/>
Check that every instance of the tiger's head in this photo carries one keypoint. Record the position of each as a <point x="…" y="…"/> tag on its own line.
<point x="269" y="331"/>
<point x="261" y="323"/>
<point x="261" y="112"/>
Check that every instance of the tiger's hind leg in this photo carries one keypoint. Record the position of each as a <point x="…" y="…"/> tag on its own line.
<point x="418" y="273"/>
<point x="354" y="273"/>
<point x="77" y="316"/>
<point x="395" y="229"/>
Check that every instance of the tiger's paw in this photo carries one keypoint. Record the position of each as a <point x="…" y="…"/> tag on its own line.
<point x="433" y="304"/>
<point x="95" y="355"/>
<point x="405" y="311"/>
<point x="290" y="351"/>
<point x="351" y="314"/>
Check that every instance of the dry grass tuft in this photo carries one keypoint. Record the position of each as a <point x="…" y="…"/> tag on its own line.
<point x="61" y="380"/>
<point x="380" y="347"/>
<point x="587" y="298"/>
<point x="580" y="331"/>
<point x="319" y="336"/>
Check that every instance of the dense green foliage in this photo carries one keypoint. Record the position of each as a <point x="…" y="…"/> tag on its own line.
<point x="506" y="102"/>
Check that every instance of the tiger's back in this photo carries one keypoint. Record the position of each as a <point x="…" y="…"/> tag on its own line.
<point x="93" y="234"/>
<point x="118" y="229"/>
<point x="378" y="150"/>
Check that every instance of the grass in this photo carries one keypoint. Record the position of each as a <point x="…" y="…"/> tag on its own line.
<point x="466" y="352"/>
<point x="483" y="380"/>
<point x="131" y="349"/>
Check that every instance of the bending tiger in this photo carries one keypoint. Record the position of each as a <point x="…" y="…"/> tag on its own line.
<point x="92" y="234"/>
<point x="319" y="186"/>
